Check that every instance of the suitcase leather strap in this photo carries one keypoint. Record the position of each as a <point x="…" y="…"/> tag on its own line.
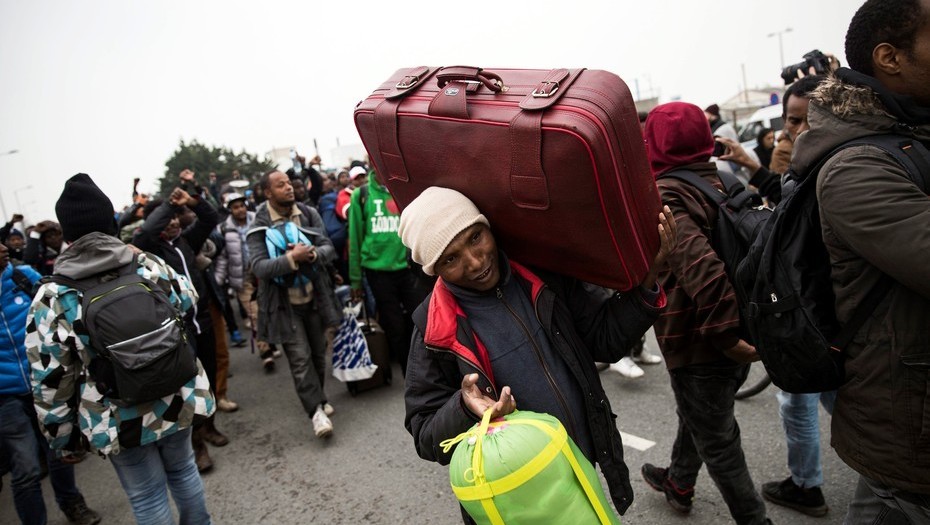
<point x="450" y="101"/>
<point x="528" y="187"/>
<point x="388" y="145"/>
<point x="412" y="81"/>
<point x="550" y="89"/>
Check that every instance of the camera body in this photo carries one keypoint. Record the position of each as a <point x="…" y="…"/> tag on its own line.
<point x="814" y="59"/>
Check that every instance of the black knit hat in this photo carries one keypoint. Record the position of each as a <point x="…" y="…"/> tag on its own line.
<point x="83" y="208"/>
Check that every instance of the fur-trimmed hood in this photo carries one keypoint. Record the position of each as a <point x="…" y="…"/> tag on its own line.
<point x="841" y="111"/>
<point x="848" y="100"/>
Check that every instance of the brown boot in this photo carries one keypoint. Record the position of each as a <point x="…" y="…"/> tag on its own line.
<point x="201" y="454"/>
<point x="213" y="436"/>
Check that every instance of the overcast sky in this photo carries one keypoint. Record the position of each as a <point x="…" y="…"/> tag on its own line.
<point x="110" y="87"/>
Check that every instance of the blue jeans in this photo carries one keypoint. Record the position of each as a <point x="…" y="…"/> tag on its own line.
<point x="23" y="446"/>
<point x="19" y="442"/>
<point x="877" y="504"/>
<point x="147" y="472"/>
<point x="801" y="421"/>
<point x="709" y="434"/>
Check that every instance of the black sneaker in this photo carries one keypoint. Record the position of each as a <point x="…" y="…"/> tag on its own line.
<point x="77" y="512"/>
<point x="786" y="493"/>
<point x="679" y="498"/>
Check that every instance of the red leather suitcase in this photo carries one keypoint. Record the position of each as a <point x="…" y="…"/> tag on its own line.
<point x="555" y="160"/>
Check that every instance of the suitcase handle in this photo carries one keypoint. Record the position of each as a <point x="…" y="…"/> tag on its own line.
<point x="470" y="74"/>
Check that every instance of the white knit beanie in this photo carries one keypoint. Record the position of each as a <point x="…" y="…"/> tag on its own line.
<point x="432" y="220"/>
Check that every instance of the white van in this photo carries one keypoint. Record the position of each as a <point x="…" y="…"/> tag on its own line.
<point x="767" y="117"/>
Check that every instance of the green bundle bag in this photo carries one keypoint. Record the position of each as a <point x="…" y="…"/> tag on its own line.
<point x="524" y="469"/>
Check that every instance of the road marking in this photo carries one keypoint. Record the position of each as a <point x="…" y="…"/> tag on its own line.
<point x="640" y="444"/>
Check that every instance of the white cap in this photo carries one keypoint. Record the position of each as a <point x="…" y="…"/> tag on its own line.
<point x="230" y="197"/>
<point x="356" y="171"/>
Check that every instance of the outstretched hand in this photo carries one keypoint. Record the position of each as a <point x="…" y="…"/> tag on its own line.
<point x="478" y="403"/>
<point x="668" y="240"/>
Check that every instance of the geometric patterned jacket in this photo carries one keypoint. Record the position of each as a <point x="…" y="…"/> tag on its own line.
<point x="72" y="413"/>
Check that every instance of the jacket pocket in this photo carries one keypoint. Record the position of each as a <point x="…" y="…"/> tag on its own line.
<point x="915" y="399"/>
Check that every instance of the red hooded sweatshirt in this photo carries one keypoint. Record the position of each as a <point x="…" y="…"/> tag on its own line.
<point x="677" y="134"/>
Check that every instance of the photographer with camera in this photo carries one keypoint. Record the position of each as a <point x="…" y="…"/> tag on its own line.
<point x="801" y="491"/>
<point x="815" y="64"/>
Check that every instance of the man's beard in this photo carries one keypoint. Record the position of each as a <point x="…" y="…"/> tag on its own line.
<point x="285" y="203"/>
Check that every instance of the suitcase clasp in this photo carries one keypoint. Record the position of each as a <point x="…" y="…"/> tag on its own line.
<point x="545" y="89"/>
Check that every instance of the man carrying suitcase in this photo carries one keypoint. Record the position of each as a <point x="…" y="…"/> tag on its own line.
<point x="494" y="330"/>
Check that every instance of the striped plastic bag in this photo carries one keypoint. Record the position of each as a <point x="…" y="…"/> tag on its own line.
<point x="524" y="469"/>
<point x="351" y="360"/>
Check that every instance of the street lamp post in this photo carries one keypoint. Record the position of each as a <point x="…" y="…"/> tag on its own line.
<point x="2" y="205"/>
<point x="18" y="203"/>
<point x="781" y="52"/>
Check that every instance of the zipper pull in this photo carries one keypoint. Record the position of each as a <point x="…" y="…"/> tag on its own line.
<point x="774" y="297"/>
<point x="500" y="294"/>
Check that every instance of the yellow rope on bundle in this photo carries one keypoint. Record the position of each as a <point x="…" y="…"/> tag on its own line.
<point x="484" y="490"/>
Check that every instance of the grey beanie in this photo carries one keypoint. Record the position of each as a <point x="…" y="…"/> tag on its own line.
<point x="432" y="220"/>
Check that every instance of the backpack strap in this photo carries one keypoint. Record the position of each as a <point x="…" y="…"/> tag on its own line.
<point x="363" y="195"/>
<point x="304" y="209"/>
<point x="920" y="156"/>
<point x="731" y="184"/>
<point x="22" y="282"/>
<point x="698" y="182"/>
<point x="736" y="196"/>
<point x="911" y="154"/>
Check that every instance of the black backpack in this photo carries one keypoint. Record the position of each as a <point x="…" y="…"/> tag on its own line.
<point x="142" y="349"/>
<point x="741" y="215"/>
<point x="784" y="284"/>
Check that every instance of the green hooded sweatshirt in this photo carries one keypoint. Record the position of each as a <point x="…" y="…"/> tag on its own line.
<point x="374" y="243"/>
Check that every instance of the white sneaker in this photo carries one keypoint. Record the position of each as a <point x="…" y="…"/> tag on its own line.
<point x="647" y="358"/>
<point x="322" y="426"/>
<point x="328" y="409"/>
<point x="627" y="368"/>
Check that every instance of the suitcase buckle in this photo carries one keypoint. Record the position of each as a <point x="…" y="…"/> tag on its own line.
<point x="408" y="82"/>
<point x="546" y="89"/>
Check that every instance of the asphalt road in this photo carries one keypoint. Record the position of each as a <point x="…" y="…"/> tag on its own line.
<point x="275" y="470"/>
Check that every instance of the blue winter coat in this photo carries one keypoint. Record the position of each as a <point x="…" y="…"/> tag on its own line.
<point x="14" y="307"/>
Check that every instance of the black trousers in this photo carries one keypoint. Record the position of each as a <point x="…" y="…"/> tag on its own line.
<point x="397" y="294"/>
<point x="709" y="434"/>
<point x="205" y="345"/>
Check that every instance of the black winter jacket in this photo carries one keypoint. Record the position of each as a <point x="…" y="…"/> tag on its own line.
<point x="180" y="253"/>
<point x="584" y="324"/>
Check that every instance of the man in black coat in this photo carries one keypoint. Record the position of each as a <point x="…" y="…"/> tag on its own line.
<point x="493" y="330"/>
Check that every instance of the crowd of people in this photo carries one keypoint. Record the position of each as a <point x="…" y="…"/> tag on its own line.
<point x="259" y="262"/>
